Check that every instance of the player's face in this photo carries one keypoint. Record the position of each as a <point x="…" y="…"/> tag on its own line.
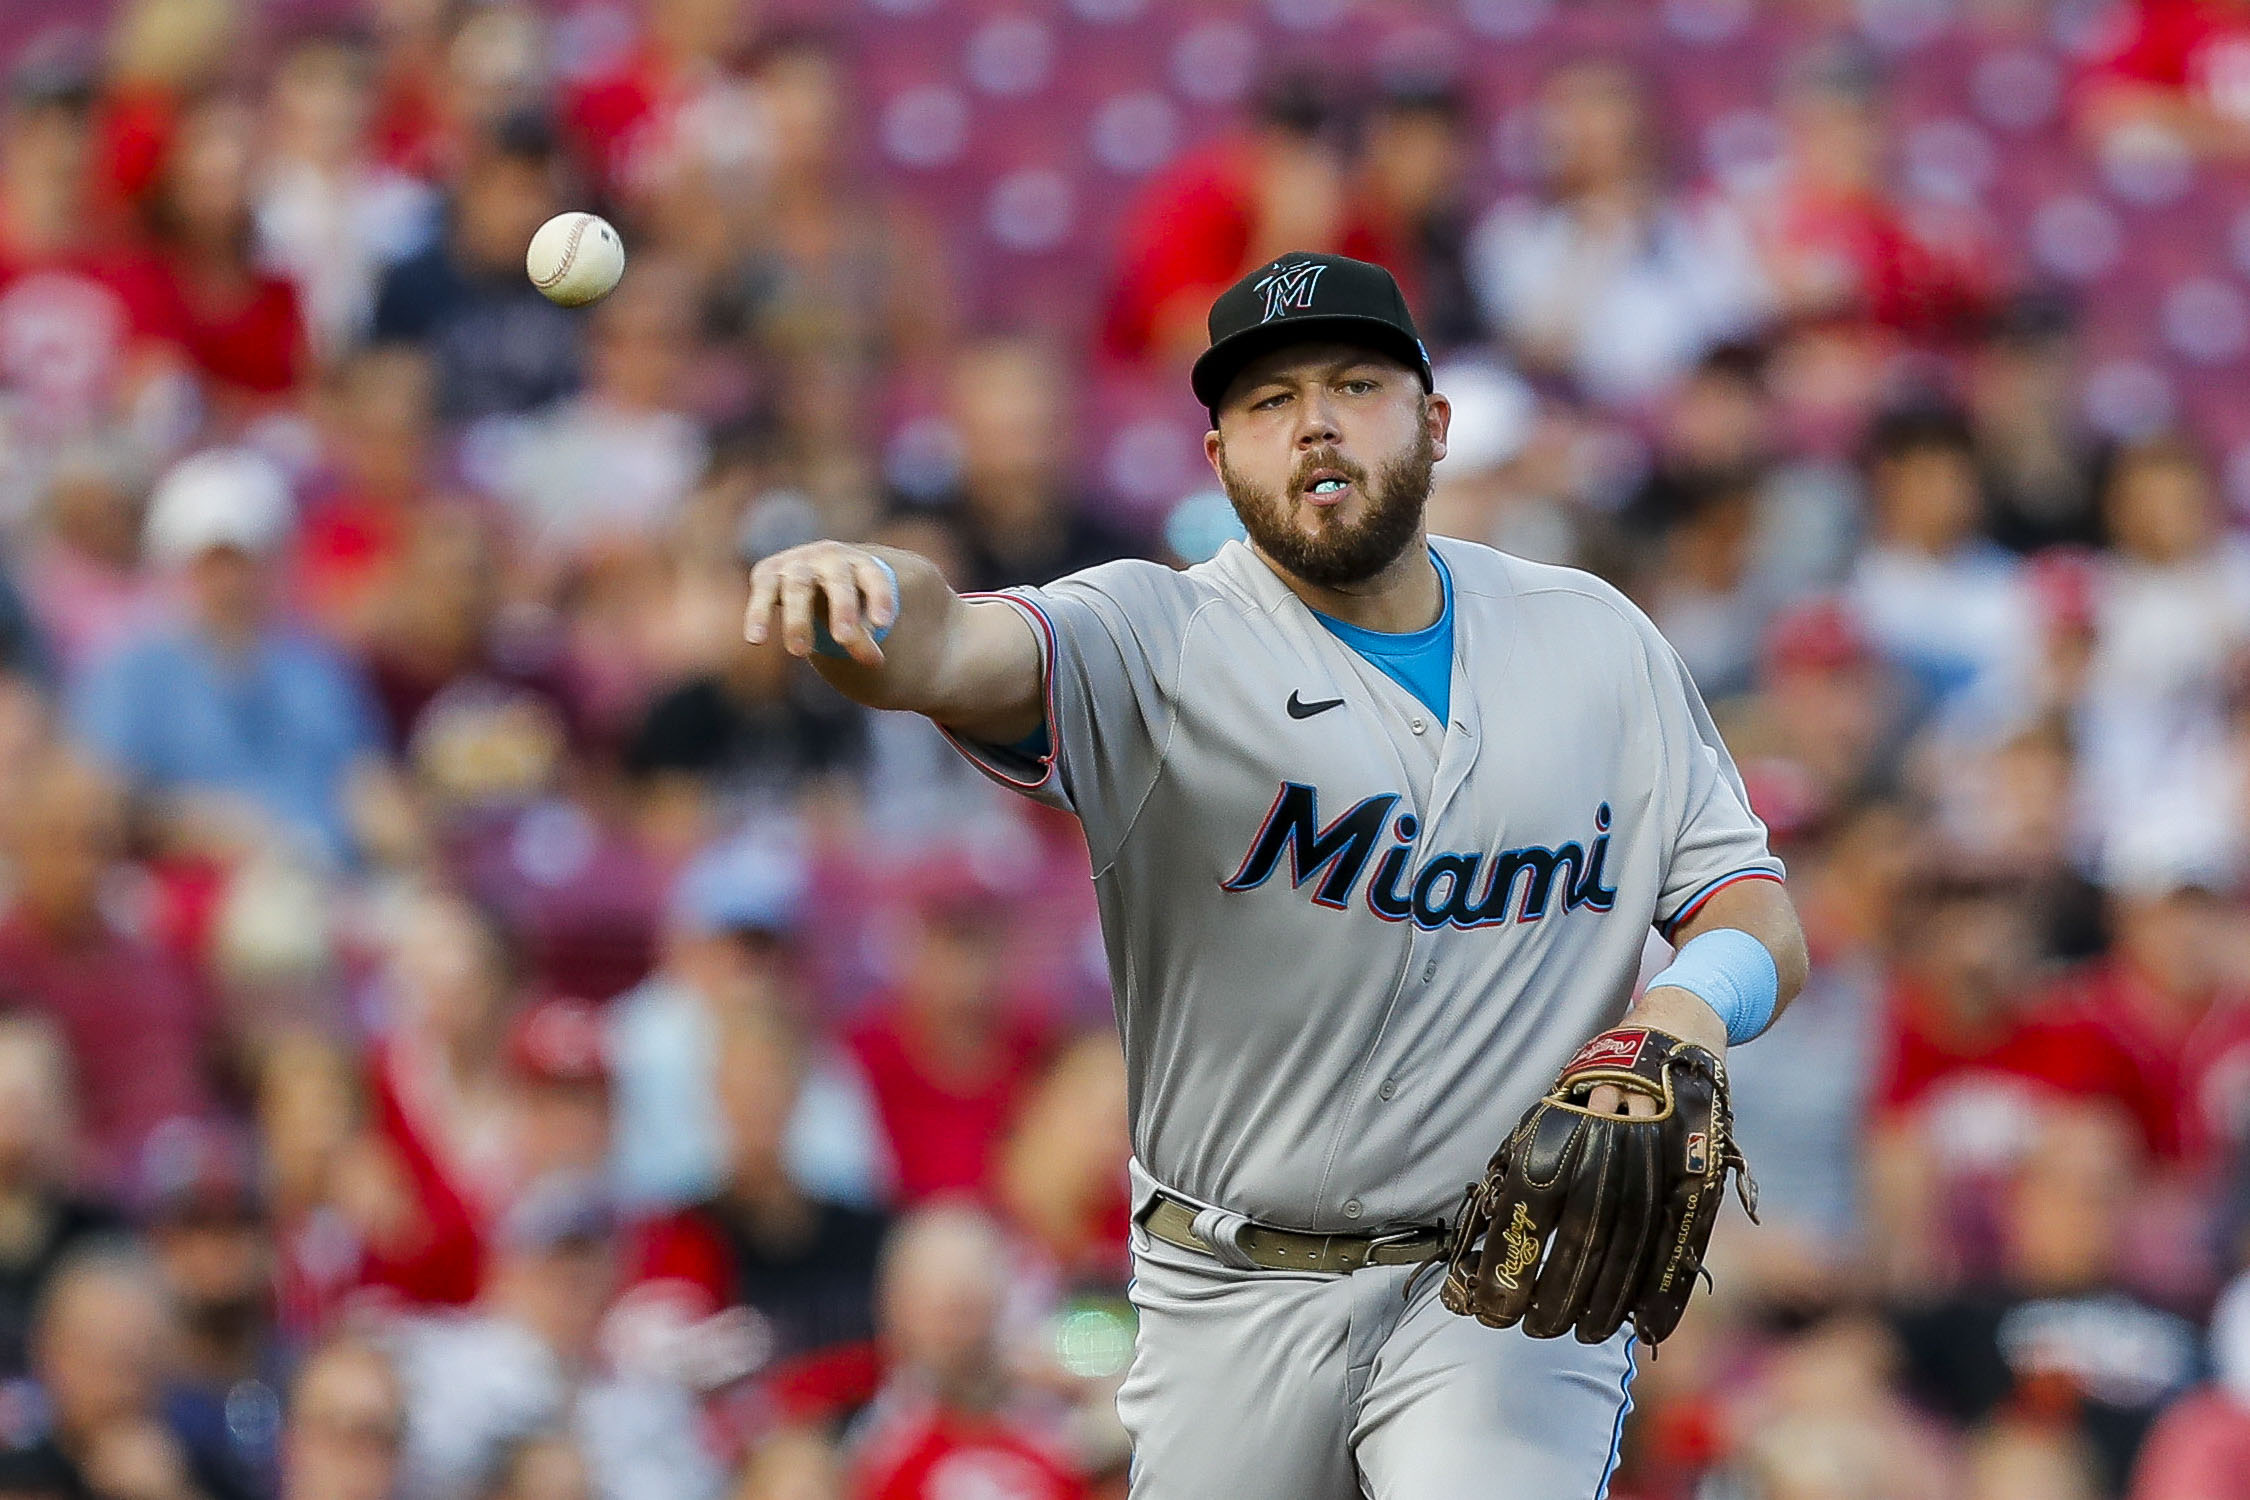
<point x="1325" y="451"/>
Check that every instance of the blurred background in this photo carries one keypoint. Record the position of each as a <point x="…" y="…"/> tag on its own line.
<point x="472" y="1030"/>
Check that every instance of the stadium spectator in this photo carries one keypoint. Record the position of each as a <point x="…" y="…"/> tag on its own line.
<point x="2173" y="68"/>
<point x="1611" y="279"/>
<point x="2052" y="1330"/>
<point x="840" y="288"/>
<point x="611" y="467"/>
<point x="1010" y="508"/>
<point x="101" y="1345"/>
<point x="559" y="1091"/>
<point x="1806" y="1100"/>
<point x="733" y="952"/>
<point x="138" y="1025"/>
<point x="1836" y="242"/>
<point x="346" y="1421"/>
<point x="339" y="1200"/>
<point x="241" y="728"/>
<point x="2038" y="455"/>
<point x="950" y="1414"/>
<point x="1941" y="603"/>
<point x="755" y="731"/>
<point x="499" y="346"/>
<point x="329" y="215"/>
<point x="670" y="101"/>
<point x="949" y="1053"/>
<point x="241" y="323"/>
<point x="214" y="1254"/>
<point x="89" y="332"/>
<point x="1058" y="1183"/>
<point x="804" y="1265"/>
<point x="1280" y="184"/>
<point x="2171" y="618"/>
<point x="82" y="579"/>
<point x="42" y="1221"/>
<point x="525" y="1359"/>
<point x="1409" y="176"/>
<point x="377" y="415"/>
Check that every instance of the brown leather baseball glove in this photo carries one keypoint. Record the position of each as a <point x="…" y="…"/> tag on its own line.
<point x="1584" y="1220"/>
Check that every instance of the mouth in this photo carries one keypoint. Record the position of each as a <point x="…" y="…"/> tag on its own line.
<point x="1325" y="487"/>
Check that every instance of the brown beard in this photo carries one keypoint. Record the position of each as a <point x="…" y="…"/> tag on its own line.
<point x="1339" y="554"/>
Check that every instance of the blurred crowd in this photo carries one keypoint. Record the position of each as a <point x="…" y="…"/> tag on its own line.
<point x="471" y="1029"/>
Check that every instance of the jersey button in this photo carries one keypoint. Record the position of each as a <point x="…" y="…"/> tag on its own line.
<point x="1351" y="1208"/>
<point x="1417" y="725"/>
<point x="1390" y="1087"/>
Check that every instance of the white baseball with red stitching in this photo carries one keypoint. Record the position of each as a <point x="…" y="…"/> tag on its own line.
<point x="575" y="258"/>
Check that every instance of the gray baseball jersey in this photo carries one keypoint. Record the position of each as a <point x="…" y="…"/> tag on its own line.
<point x="1349" y="945"/>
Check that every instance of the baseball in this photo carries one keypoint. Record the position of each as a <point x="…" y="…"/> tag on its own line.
<point x="575" y="258"/>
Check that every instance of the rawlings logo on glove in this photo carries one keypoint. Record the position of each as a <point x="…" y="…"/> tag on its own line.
<point x="1622" y="1207"/>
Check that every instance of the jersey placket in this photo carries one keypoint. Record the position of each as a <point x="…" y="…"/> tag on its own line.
<point x="1381" y="1085"/>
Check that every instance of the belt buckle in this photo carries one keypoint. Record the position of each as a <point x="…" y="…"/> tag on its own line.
<point x="1395" y="1237"/>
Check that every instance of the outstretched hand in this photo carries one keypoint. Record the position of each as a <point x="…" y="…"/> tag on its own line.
<point x="822" y="583"/>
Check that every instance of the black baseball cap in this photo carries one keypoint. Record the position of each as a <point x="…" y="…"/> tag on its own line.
<point x="1301" y="298"/>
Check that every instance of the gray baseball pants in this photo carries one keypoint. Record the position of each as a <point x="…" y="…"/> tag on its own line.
<point x="1264" y="1385"/>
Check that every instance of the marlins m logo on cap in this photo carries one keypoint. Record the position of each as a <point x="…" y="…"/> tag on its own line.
<point x="1289" y="286"/>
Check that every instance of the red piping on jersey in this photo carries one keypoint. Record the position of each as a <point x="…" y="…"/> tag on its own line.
<point x="1703" y="897"/>
<point x="1047" y="684"/>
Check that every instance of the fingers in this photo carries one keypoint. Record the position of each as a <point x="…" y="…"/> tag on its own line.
<point x="795" y="594"/>
<point x="1609" y="1099"/>
<point x="839" y="583"/>
<point x="757" y="615"/>
<point x="797" y="580"/>
<point x="875" y="586"/>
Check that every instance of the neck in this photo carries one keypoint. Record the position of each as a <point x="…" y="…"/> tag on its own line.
<point x="232" y="635"/>
<point x="1405" y="596"/>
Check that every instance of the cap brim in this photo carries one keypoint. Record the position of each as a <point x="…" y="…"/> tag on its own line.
<point x="1218" y="365"/>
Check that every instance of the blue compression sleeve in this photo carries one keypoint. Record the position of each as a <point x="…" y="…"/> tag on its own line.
<point x="825" y="644"/>
<point x="1733" y="973"/>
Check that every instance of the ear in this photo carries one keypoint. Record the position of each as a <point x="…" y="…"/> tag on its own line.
<point x="1214" y="450"/>
<point x="1438" y="413"/>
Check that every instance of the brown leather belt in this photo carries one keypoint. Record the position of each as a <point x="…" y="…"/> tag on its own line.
<point x="1272" y="1249"/>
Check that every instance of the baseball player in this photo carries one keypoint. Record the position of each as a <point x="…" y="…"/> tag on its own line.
<point x="1379" y="822"/>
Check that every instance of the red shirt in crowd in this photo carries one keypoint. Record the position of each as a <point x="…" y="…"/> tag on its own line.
<point x="2050" y="1048"/>
<point x="1190" y="237"/>
<point x="927" y="1452"/>
<point x="440" y="1258"/>
<point x="71" y="325"/>
<point x="2191" y="1072"/>
<point x="1931" y="275"/>
<point x="134" y="1019"/>
<point x="945" y="1134"/>
<point x="347" y="551"/>
<point x="2200" y="47"/>
<point x="253" y="342"/>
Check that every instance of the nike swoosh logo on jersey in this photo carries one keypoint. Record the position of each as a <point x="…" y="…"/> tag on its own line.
<point x="1300" y="709"/>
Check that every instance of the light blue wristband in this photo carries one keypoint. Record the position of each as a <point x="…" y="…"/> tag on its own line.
<point x="1733" y="973"/>
<point x="825" y="644"/>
